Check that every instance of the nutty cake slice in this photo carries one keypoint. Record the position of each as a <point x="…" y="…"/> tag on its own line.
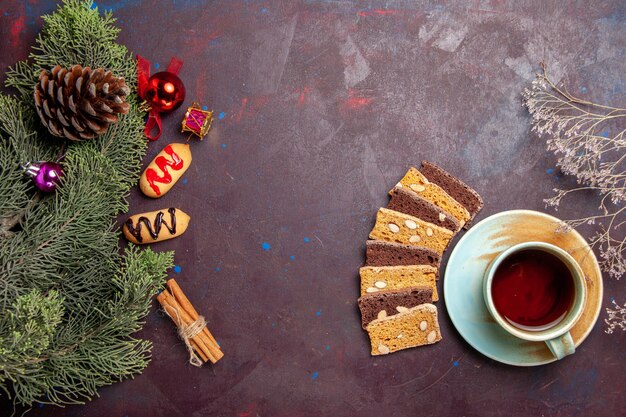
<point x="394" y="226"/>
<point x="416" y="182"/>
<point x="415" y="327"/>
<point x="381" y="253"/>
<point x="412" y="204"/>
<point x="384" y="278"/>
<point x="456" y="188"/>
<point x="388" y="303"/>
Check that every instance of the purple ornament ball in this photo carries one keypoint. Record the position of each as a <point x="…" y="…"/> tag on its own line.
<point x="45" y="175"/>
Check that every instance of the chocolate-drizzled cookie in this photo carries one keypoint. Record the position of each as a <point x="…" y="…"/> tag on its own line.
<point x="155" y="226"/>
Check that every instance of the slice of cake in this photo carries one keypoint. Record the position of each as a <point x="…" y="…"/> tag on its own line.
<point x="413" y="180"/>
<point x="416" y="326"/>
<point x="383" y="278"/>
<point x="388" y="303"/>
<point x="397" y="227"/>
<point x="412" y="204"/>
<point x="456" y="188"/>
<point x="381" y="253"/>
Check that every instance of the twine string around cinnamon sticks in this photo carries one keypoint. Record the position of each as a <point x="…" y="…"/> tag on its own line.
<point x="187" y="333"/>
<point x="192" y="328"/>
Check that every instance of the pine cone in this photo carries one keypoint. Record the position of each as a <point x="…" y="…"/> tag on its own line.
<point x="80" y="103"/>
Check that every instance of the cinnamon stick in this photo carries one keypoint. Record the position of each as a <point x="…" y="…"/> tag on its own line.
<point x="177" y="320"/>
<point x="200" y="338"/>
<point x="184" y="302"/>
<point x="182" y="312"/>
<point x="172" y="285"/>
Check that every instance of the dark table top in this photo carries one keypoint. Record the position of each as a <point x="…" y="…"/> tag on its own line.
<point x="321" y="106"/>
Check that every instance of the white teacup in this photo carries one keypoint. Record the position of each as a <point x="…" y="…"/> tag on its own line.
<point x="557" y="333"/>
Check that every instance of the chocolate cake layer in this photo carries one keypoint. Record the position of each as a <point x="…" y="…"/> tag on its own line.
<point x="388" y="303"/>
<point x="381" y="253"/>
<point x="412" y="204"/>
<point x="415" y="181"/>
<point x="460" y="191"/>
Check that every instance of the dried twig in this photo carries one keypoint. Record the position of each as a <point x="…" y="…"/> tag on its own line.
<point x="579" y="133"/>
<point x="616" y="319"/>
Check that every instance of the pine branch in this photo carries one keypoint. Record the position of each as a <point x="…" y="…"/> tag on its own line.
<point x="18" y="131"/>
<point x="70" y="301"/>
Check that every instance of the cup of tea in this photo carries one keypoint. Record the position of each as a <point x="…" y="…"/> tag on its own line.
<point x="536" y="291"/>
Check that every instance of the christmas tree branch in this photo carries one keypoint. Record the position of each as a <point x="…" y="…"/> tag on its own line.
<point x="70" y="301"/>
<point x="8" y="223"/>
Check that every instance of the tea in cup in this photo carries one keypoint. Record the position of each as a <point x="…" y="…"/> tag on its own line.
<point x="536" y="291"/>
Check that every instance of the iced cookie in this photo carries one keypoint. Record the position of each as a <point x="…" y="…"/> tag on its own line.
<point x="383" y="278"/>
<point x="416" y="326"/>
<point x="155" y="226"/>
<point x="165" y="169"/>
<point x="397" y="227"/>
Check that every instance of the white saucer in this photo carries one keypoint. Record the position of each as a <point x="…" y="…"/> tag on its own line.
<point x="462" y="286"/>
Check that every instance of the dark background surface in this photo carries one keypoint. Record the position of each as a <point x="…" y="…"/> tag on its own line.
<point x="320" y="107"/>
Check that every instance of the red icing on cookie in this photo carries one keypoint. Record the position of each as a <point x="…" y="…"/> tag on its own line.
<point x="163" y="163"/>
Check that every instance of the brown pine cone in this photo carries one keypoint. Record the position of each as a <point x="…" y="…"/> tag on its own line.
<point x="79" y="103"/>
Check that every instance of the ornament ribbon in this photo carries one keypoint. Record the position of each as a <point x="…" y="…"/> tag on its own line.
<point x="143" y="74"/>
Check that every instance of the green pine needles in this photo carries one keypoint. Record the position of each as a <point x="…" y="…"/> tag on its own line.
<point x="70" y="302"/>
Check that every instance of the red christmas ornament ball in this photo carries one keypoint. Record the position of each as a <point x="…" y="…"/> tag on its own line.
<point x="165" y="92"/>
